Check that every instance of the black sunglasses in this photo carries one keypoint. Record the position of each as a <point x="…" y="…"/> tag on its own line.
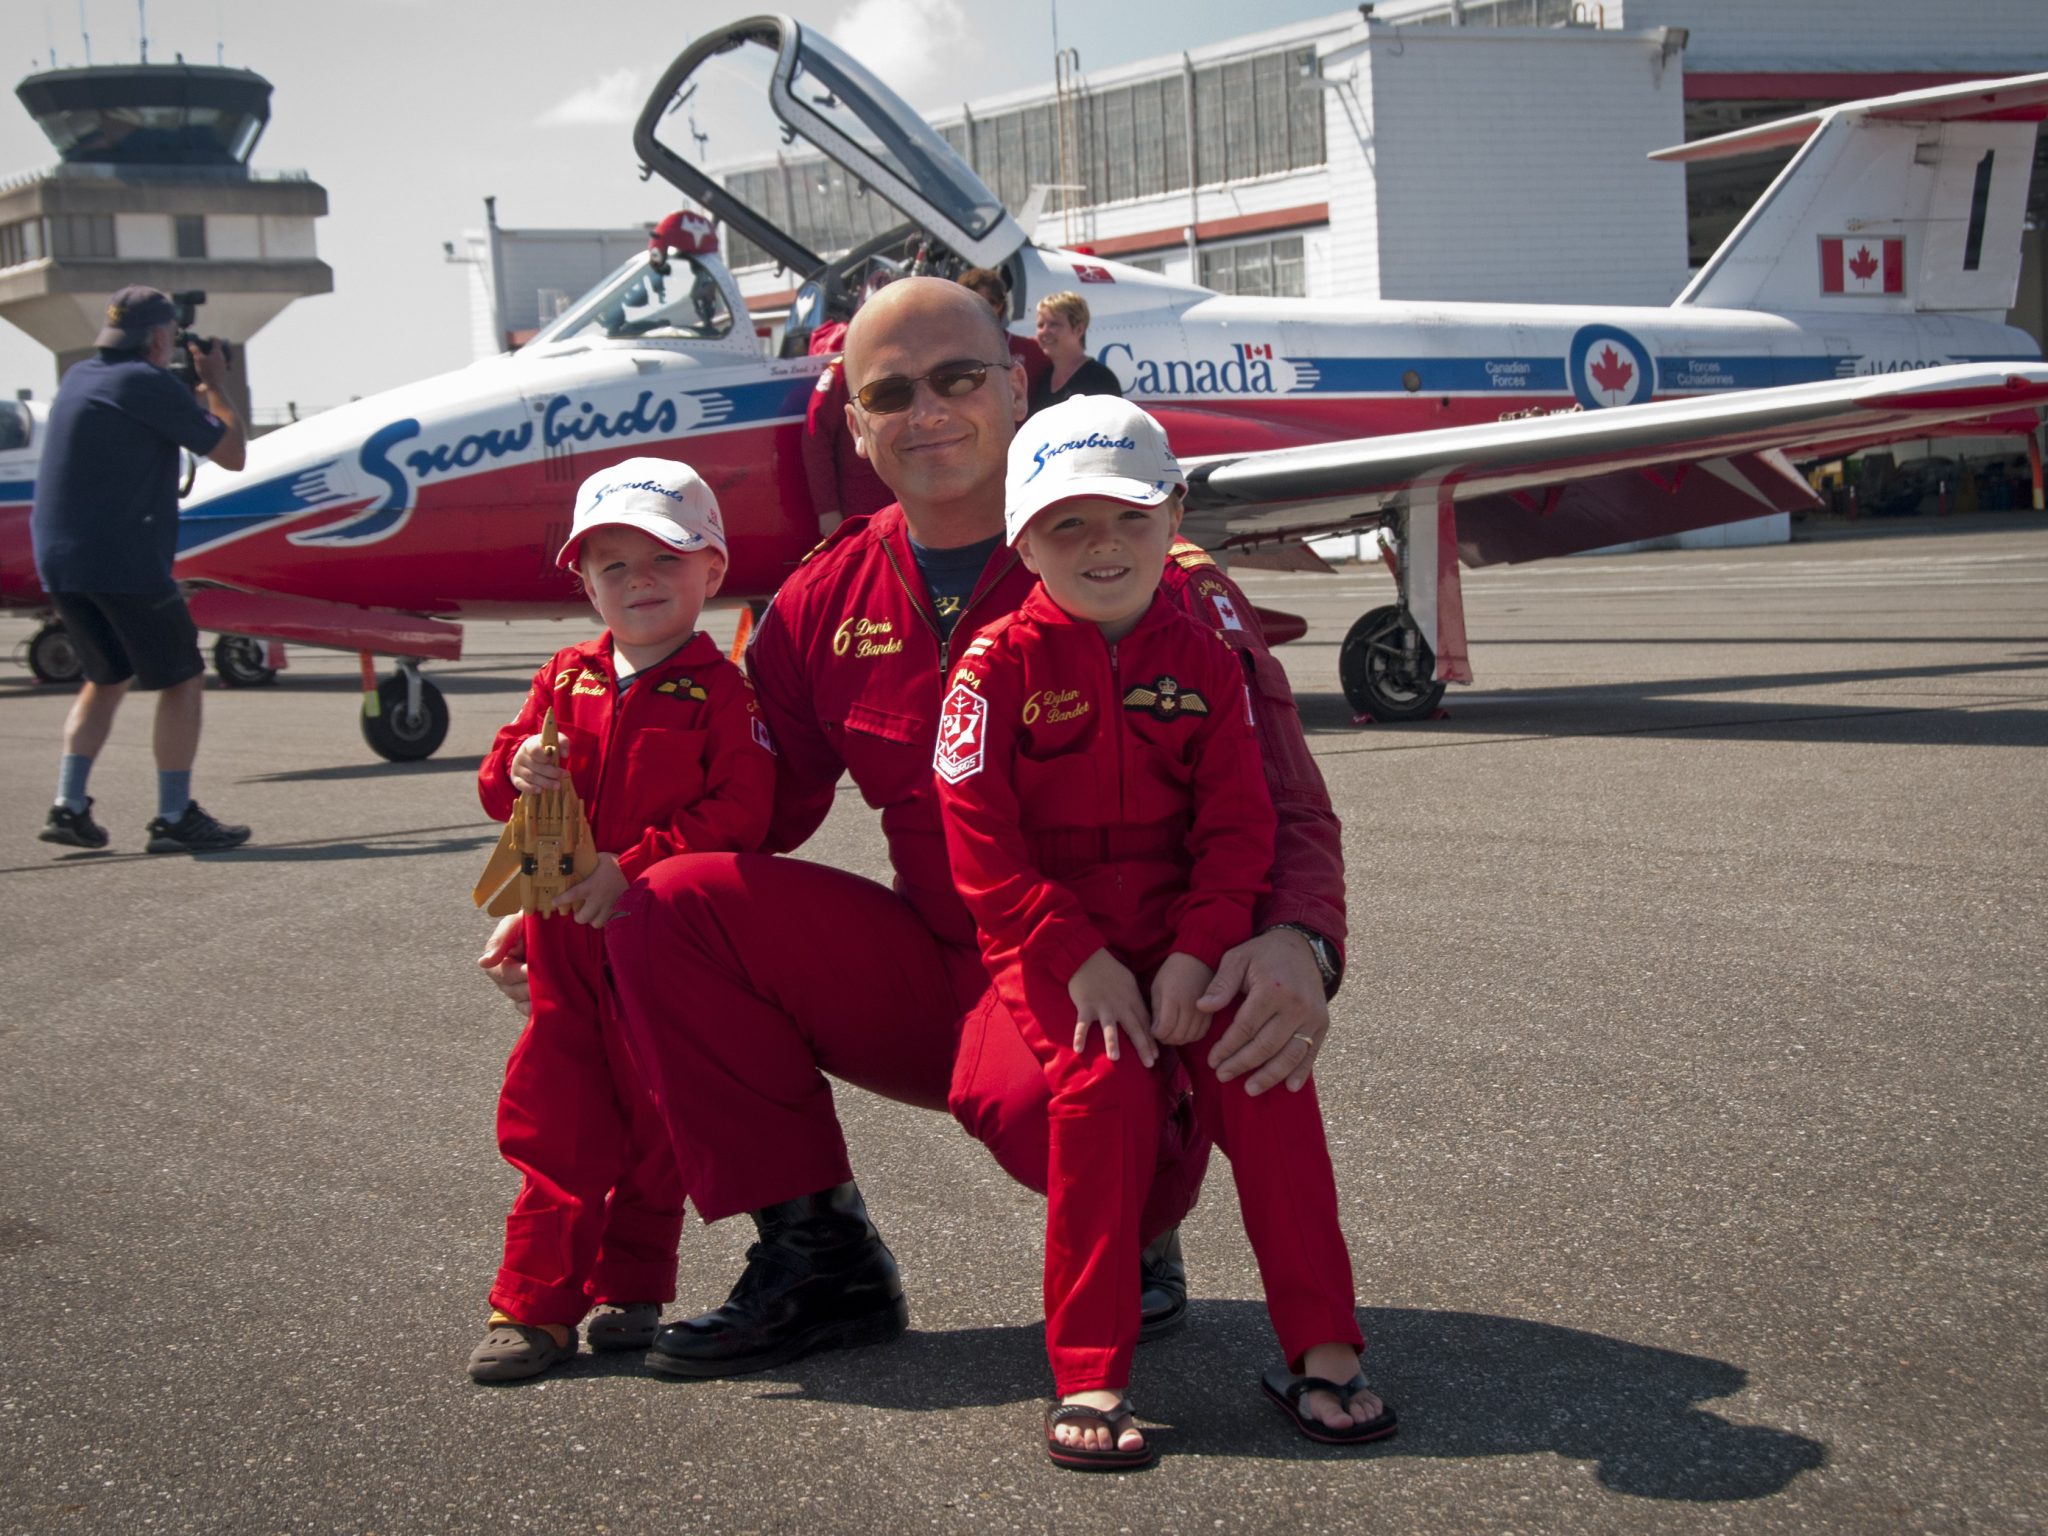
<point x="949" y="381"/>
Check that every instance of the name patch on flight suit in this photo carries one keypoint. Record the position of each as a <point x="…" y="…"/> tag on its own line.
<point x="866" y="638"/>
<point x="963" y="723"/>
<point x="585" y="682"/>
<point x="1055" y="706"/>
<point x="1166" y="700"/>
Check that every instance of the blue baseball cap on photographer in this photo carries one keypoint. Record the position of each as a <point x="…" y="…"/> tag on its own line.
<point x="132" y="314"/>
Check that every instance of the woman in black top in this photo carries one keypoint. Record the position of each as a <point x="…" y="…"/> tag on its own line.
<point x="1063" y="337"/>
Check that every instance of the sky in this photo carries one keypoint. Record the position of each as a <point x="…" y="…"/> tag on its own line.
<point x="411" y="112"/>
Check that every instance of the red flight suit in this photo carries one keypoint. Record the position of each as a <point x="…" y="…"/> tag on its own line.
<point x="797" y="970"/>
<point x="1109" y="796"/>
<point x="840" y="479"/>
<point x="681" y="761"/>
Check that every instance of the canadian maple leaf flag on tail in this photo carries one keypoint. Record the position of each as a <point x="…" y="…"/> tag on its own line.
<point x="1862" y="266"/>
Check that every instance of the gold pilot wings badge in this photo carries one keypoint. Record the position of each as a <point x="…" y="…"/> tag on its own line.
<point x="1166" y="700"/>
<point x="545" y="847"/>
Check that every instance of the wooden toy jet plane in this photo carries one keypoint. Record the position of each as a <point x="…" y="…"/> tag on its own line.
<point x="545" y="848"/>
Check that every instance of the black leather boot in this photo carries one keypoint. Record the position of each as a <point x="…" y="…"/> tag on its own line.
<point x="819" y="1278"/>
<point x="1163" y="1286"/>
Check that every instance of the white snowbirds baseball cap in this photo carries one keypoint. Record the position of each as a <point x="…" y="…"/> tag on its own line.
<point x="662" y="497"/>
<point x="1091" y="445"/>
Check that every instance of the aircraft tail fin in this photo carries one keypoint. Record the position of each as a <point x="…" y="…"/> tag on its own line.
<point x="1898" y="204"/>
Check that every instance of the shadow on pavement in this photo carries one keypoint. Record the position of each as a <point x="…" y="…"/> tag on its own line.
<point x="1465" y="1384"/>
<point x="374" y="768"/>
<point x="316" y="852"/>
<point x="1668" y="708"/>
<point x="384" y="845"/>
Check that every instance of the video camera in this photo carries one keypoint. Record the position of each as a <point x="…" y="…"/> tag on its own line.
<point x="187" y="304"/>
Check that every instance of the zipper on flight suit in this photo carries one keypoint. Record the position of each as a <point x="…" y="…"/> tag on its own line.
<point x="931" y="621"/>
<point x="1116" y="713"/>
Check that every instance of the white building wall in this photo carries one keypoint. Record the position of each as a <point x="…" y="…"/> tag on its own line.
<point x="234" y="237"/>
<point x="287" y="237"/>
<point x="143" y="236"/>
<point x="1826" y="36"/>
<point x="1510" y="164"/>
<point x="1351" y="144"/>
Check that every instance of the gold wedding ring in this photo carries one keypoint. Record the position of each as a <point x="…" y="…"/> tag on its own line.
<point x="1306" y="1039"/>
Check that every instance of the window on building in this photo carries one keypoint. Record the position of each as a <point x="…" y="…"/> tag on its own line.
<point x="1254" y="117"/>
<point x="1256" y="268"/>
<point x="1305" y="145"/>
<point x="21" y="241"/>
<point x="190" y="230"/>
<point x="75" y="235"/>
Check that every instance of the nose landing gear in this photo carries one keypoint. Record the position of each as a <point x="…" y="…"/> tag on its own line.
<point x="52" y="657"/>
<point x="242" y="662"/>
<point x="405" y="719"/>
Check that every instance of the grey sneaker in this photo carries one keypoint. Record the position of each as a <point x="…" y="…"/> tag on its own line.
<point x="622" y="1324"/>
<point x="75" y="829"/>
<point x="194" y="832"/>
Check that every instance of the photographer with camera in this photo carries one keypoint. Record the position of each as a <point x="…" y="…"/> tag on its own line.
<point x="105" y="526"/>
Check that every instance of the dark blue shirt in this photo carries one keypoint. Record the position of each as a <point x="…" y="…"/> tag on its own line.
<point x="950" y="575"/>
<point x="106" y="508"/>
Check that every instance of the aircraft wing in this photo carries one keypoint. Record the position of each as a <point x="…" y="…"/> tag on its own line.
<point x="1558" y="484"/>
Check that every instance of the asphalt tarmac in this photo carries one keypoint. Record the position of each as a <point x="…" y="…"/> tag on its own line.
<point x="1685" y="1092"/>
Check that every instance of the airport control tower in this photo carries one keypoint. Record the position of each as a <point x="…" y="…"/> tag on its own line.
<point x="153" y="186"/>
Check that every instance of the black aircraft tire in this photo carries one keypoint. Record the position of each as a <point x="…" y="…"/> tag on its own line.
<point x="1373" y="668"/>
<point x="53" y="658"/>
<point x="398" y="736"/>
<point x="238" y="663"/>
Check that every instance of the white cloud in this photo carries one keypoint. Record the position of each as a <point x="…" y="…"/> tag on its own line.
<point x="615" y="97"/>
<point x="921" y="48"/>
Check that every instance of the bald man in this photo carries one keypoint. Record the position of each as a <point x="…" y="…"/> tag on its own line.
<point x="745" y="979"/>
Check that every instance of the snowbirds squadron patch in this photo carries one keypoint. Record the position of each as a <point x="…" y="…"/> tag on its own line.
<point x="962" y="735"/>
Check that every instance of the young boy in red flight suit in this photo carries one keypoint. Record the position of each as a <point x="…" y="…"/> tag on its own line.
<point x="668" y="752"/>
<point x="1110" y="830"/>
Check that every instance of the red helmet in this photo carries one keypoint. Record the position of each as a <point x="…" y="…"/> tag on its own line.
<point x="687" y="232"/>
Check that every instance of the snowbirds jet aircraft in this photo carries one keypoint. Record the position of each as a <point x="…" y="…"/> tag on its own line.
<point x="1860" y="301"/>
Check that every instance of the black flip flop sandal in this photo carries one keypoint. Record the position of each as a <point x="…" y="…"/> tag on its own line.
<point x="1287" y="1390"/>
<point x="1116" y="1420"/>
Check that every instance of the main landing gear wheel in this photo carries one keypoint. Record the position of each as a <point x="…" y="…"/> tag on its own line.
<point x="239" y="662"/>
<point x="1386" y="669"/>
<point x="52" y="656"/>
<point x="401" y="733"/>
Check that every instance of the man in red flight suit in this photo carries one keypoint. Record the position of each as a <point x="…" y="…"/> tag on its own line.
<point x="667" y="751"/>
<point x="796" y="967"/>
<point x="843" y="484"/>
<point x="1110" y="829"/>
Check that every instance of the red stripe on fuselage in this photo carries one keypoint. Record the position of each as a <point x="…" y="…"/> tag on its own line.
<point x="484" y="544"/>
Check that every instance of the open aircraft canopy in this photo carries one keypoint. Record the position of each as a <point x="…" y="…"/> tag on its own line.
<point x="832" y="102"/>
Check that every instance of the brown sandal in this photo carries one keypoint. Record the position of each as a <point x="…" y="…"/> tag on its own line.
<point x="1116" y="1420"/>
<point x="515" y="1351"/>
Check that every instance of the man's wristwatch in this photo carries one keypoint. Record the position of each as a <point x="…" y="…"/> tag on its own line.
<point x="1329" y="964"/>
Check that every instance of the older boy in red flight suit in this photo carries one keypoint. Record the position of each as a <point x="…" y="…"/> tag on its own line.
<point x="668" y="752"/>
<point x="1108" y="822"/>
